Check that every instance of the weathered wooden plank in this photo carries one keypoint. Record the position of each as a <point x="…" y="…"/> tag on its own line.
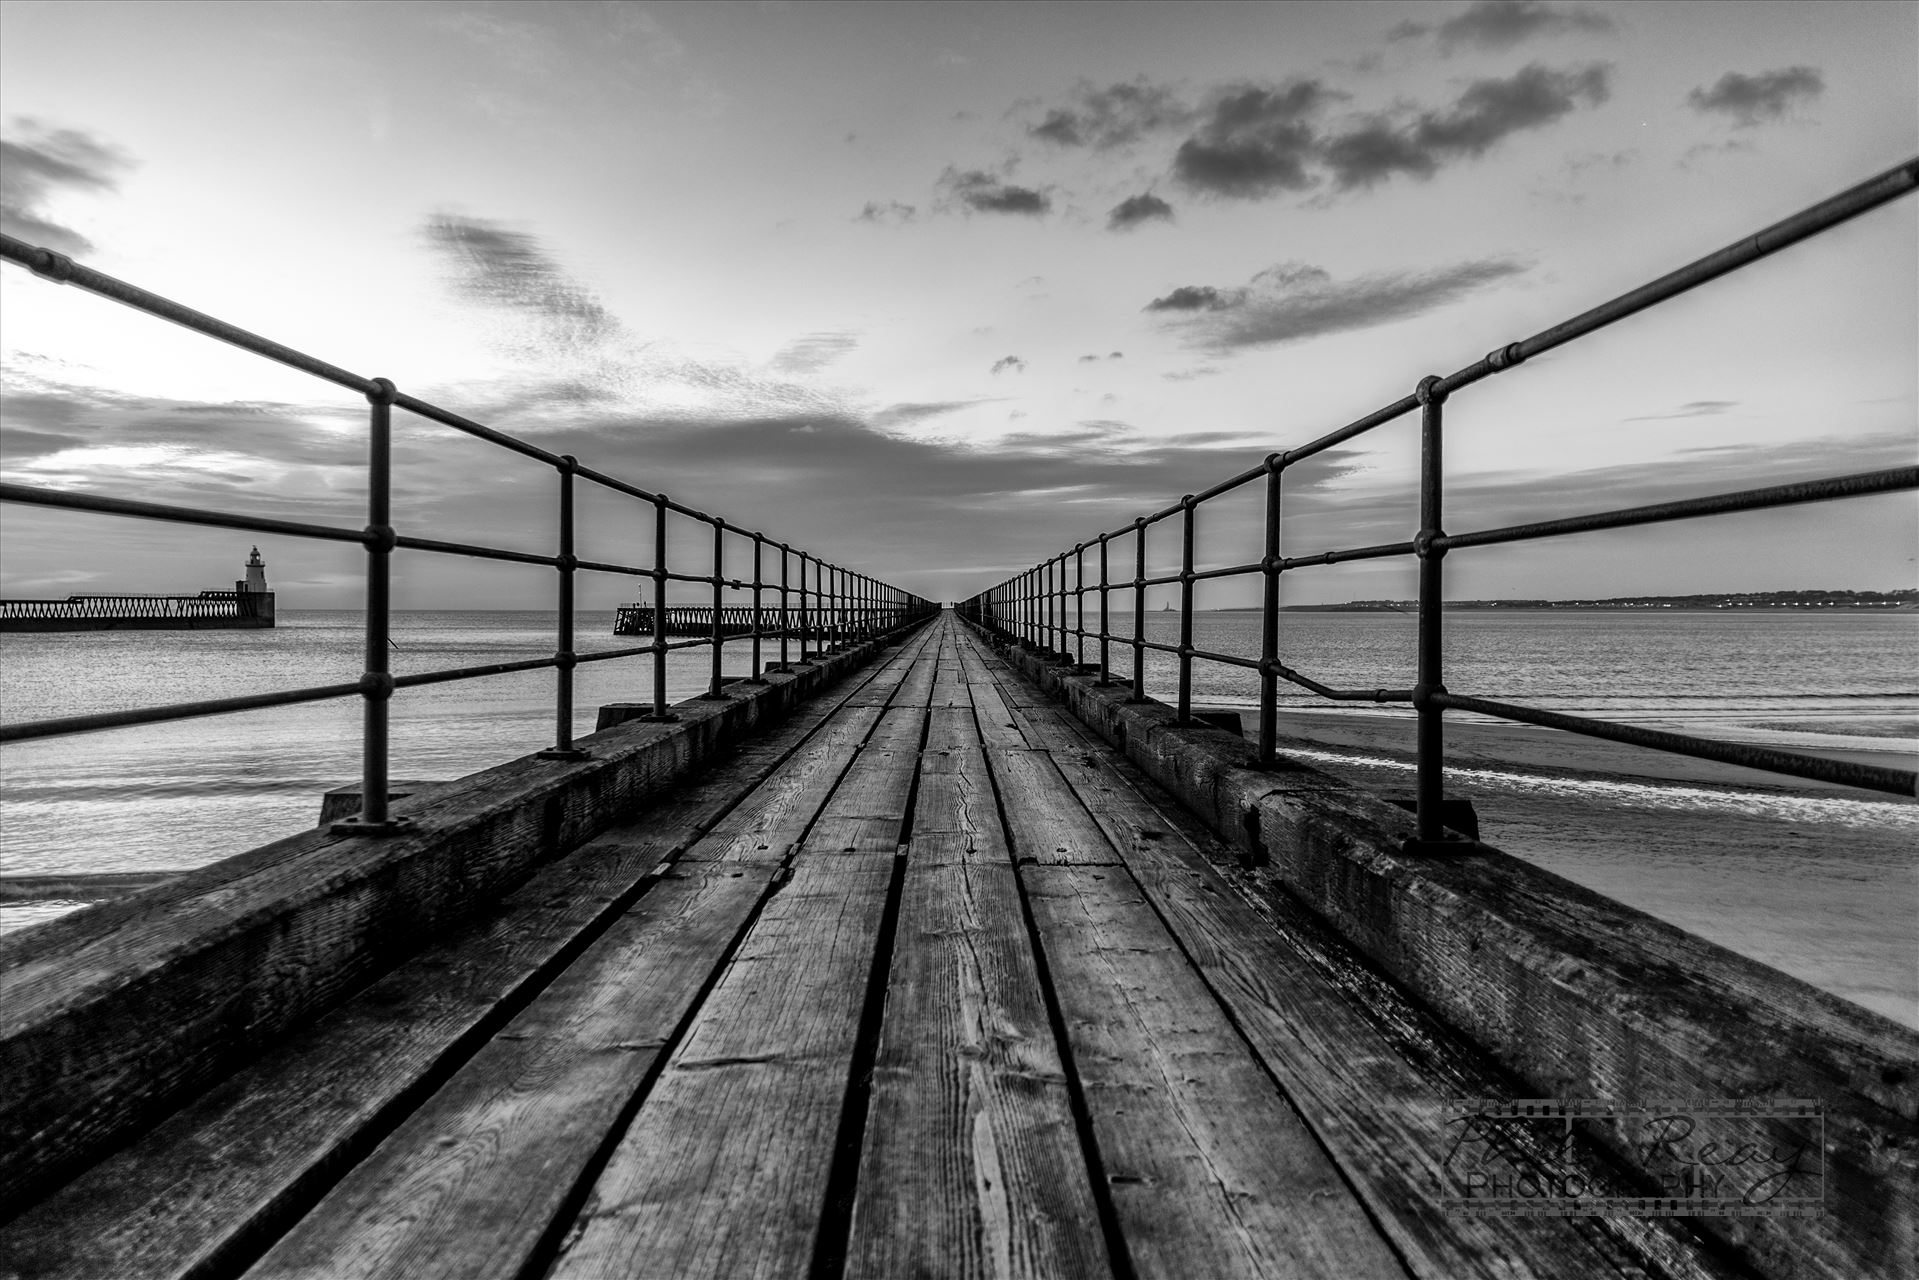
<point x="956" y="795"/>
<point x="1211" y="1172"/>
<point x="790" y="797"/>
<point x="972" y="1166"/>
<point x="866" y="814"/>
<point x="724" y="1171"/>
<point x="469" y="1185"/>
<point x="1046" y="821"/>
<point x="236" y="1161"/>
<point x="997" y="728"/>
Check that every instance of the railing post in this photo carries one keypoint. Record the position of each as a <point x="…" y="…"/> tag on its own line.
<point x="719" y="605"/>
<point x="1139" y="609"/>
<point x="1430" y="790"/>
<point x="1186" y="609"/>
<point x="753" y="676"/>
<point x="806" y="614"/>
<point x="1269" y="616"/>
<point x="1104" y="674"/>
<point x="786" y="608"/>
<point x="563" y="658"/>
<point x="376" y="683"/>
<point x="660" y="713"/>
<point x="1079" y="605"/>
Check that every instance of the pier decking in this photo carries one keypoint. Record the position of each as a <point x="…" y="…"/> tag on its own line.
<point x="925" y="982"/>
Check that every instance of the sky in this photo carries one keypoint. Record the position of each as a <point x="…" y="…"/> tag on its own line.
<point x="935" y="290"/>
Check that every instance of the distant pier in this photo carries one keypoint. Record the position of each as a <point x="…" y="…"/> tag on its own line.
<point x="697" y="620"/>
<point x="248" y="606"/>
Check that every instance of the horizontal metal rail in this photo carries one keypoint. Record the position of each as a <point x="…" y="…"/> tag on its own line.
<point x="1033" y="607"/>
<point x="833" y="606"/>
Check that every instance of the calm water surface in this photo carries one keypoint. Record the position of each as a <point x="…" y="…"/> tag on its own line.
<point x="1818" y="883"/>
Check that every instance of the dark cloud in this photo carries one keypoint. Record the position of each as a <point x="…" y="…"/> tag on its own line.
<point x="1197" y="297"/>
<point x="1133" y="210"/>
<point x="1293" y="302"/>
<point x="1753" y="100"/>
<point x="1115" y="116"/>
<point x="1487" y="112"/>
<point x="37" y="163"/>
<point x="888" y="211"/>
<point x="1254" y="141"/>
<point x="812" y="353"/>
<point x="1009" y="364"/>
<point x="977" y="190"/>
<point x="1691" y="409"/>
<point x="513" y="271"/>
<point x="1096" y="356"/>
<point x="1501" y="24"/>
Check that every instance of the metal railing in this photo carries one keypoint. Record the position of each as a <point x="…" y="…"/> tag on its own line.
<point x="835" y="606"/>
<point x="1032" y="606"/>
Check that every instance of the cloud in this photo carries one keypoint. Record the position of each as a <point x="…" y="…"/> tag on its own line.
<point x="1691" y="409"/>
<point x="1009" y="364"/>
<point x="1500" y="24"/>
<point x="890" y="211"/>
<point x="1487" y="112"/>
<point x="1134" y="210"/>
<point x="1115" y="116"/>
<point x="1254" y="141"/>
<point x="1293" y="302"/>
<point x="1257" y="142"/>
<point x="38" y="163"/>
<point x="1096" y="357"/>
<point x="1197" y="297"/>
<point x="907" y="413"/>
<point x="512" y="271"/>
<point x="981" y="192"/>
<point x="813" y="352"/>
<point x="1753" y="100"/>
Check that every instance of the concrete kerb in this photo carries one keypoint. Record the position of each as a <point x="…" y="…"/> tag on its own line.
<point x="1578" y="995"/>
<point x="111" y="1014"/>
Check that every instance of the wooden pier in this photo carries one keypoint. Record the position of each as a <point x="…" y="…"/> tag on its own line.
<point x="697" y="620"/>
<point x="925" y="982"/>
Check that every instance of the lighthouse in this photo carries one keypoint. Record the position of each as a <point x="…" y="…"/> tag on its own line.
<point x="256" y="583"/>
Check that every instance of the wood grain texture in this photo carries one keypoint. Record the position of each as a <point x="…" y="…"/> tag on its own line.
<point x="467" y="1187"/>
<point x="972" y="1165"/>
<point x="956" y="797"/>
<point x="1046" y="821"/>
<point x="866" y="813"/>
<point x="997" y="728"/>
<point x="230" y="1164"/>
<point x="724" y="1171"/>
<point x="1212" y="1173"/>
<point x="790" y="797"/>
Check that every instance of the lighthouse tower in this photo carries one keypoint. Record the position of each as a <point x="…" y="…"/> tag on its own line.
<point x="256" y="582"/>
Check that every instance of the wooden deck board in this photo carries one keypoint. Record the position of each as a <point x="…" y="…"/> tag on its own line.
<point x="467" y="1188"/>
<point x="972" y="1165"/>
<point x="1212" y="1172"/>
<point x="724" y="1171"/>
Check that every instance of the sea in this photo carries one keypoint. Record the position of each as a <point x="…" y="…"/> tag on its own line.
<point x="1818" y="882"/>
